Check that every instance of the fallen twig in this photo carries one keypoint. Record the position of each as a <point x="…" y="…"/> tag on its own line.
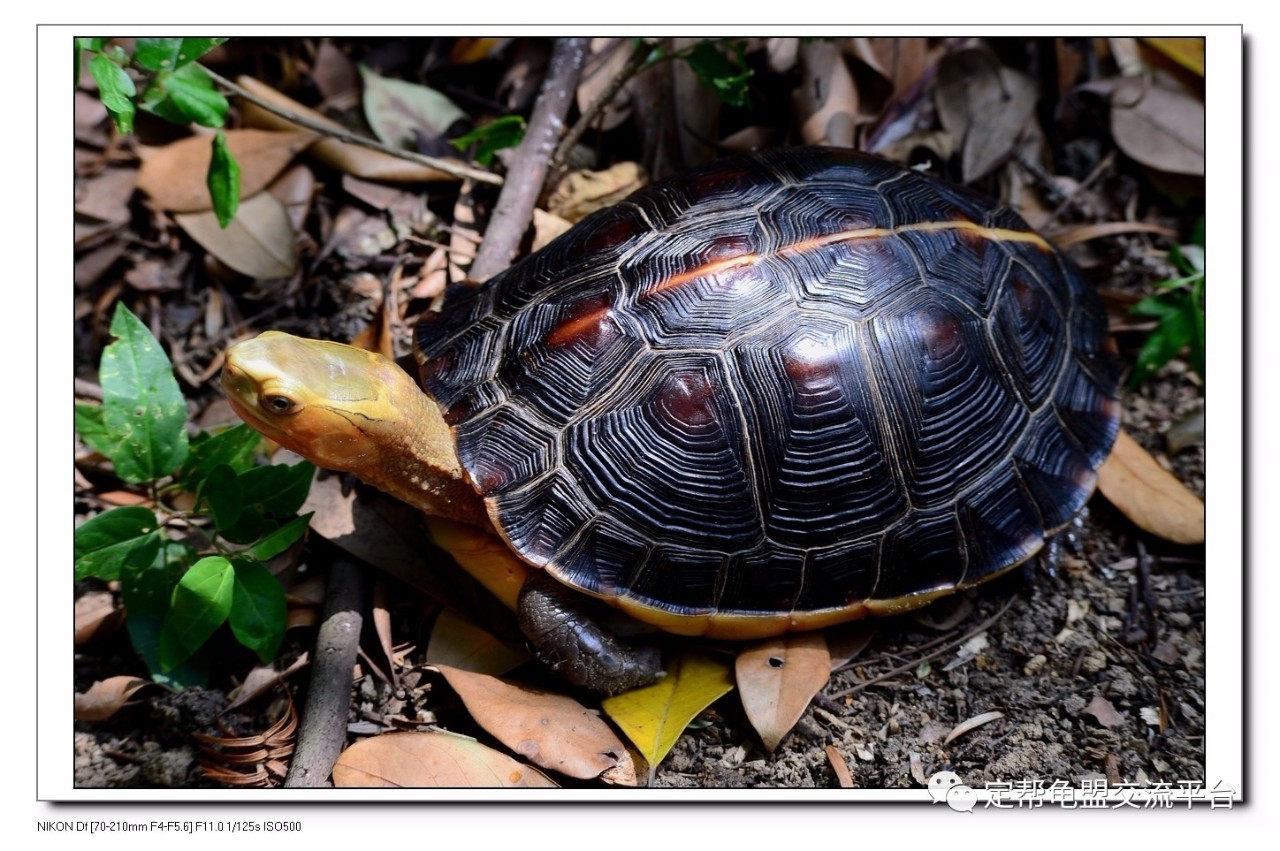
<point x="532" y="159"/>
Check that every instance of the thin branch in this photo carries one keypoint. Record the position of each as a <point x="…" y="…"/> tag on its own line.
<point x="451" y="167"/>
<point x="634" y="64"/>
<point x="529" y="167"/>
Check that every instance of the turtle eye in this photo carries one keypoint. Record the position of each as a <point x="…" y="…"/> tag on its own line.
<point x="278" y="404"/>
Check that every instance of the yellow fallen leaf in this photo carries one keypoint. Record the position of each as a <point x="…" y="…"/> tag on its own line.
<point x="1149" y="495"/>
<point x="1187" y="52"/>
<point x="653" y="717"/>
<point x="777" y="678"/>
<point x="431" y="760"/>
<point x="550" y="730"/>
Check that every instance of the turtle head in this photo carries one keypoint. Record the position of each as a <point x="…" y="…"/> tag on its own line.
<point x="340" y="407"/>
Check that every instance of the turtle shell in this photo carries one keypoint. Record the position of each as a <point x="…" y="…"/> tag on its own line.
<point x="780" y="391"/>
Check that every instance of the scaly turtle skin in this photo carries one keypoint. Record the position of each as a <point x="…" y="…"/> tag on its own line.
<point x="778" y="392"/>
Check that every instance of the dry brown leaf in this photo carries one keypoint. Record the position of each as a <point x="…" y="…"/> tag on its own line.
<point x="405" y="114"/>
<point x="581" y="193"/>
<point x="463" y="236"/>
<point x="334" y="74"/>
<point x="261" y="680"/>
<point x="984" y="106"/>
<point x="777" y="678"/>
<point x="840" y="768"/>
<point x="901" y="61"/>
<point x="826" y="100"/>
<point x="1103" y="710"/>
<point x="106" y="196"/>
<point x="343" y="156"/>
<point x="846" y="641"/>
<point x="1159" y="123"/>
<point x="1084" y="233"/>
<point x="176" y="176"/>
<point x="96" y="615"/>
<point x="105" y="697"/>
<point x="1149" y="495"/>
<point x="608" y="56"/>
<point x="295" y="189"/>
<point x="458" y="643"/>
<point x="431" y="760"/>
<point x="546" y="227"/>
<point x="971" y="724"/>
<point x="258" y="243"/>
<point x="550" y="730"/>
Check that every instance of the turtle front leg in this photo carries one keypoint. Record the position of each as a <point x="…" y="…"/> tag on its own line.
<point x="567" y="639"/>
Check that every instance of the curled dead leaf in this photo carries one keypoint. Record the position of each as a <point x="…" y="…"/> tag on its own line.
<point x="1149" y="495"/>
<point x="581" y="193"/>
<point x="971" y="724"/>
<point x="552" y="731"/>
<point x="106" y="697"/>
<point x="1159" y="123"/>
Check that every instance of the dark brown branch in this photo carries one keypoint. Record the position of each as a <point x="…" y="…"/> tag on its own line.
<point x="529" y="166"/>
<point x="324" y="718"/>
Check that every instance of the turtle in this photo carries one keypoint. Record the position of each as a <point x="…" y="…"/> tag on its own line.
<point x="776" y="392"/>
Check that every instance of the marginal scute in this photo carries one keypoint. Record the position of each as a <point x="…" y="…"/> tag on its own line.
<point x="783" y="389"/>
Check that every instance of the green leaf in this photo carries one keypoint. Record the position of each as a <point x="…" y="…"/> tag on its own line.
<point x="147" y="591"/>
<point x="185" y="95"/>
<point x="281" y="539"/>
<point x="224" y="181"/>
<point x="93" y="430"/>
<point x="105" y="544"/>
<point x="258" y="609"/>
<point x="116" y="90"/>
<point x="504" y="132"/>
<point x="142" y="406"/>
<point x="200" y="604"/>
<point x="716" y="71"/>
<point x="157" y="54"/>
<point x="233" y="447"/>
<point x="169" y="54"/>
<point x="271" y="494"/>
<point x="222" y="492"/>
<point x="94" y="44"/>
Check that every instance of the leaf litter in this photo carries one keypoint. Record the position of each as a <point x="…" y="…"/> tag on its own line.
<point x="882" y="77"/>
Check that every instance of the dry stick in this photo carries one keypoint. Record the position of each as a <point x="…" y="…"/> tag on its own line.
<point x="450" y="167"/>
<point x="949" y="646"/>
<point x="597" y="106"/>
<point x="323" y="729"/>
<point x="529" y="167"/>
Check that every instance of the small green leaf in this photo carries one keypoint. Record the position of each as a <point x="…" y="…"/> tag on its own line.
<point x="271" y="495"/>
<point x="716" y="71"/>
<point x="258" y="609"/>
<point x="222" y="492"/>
<point x="504" y="132"/>
<point x="157" y="54"/>
<point x="93" y="431"/>
<point x="200" y="604"/>
<point x="147" y="591"/>
<point x="224" y="181"/>
<point x="116" y="89"/>
<point x="185" y="95"/>
<point x="280" y="489"/>
<point x="94" y="44"/>
<point x="233" y="447"/>
<point x="142" y="406"/>
<point x="170" y="54"/>
<point x="281" y="539"/>
<point x="106" y="544"/>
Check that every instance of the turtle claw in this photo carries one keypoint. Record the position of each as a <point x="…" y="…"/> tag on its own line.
<point x="568" y="640"/>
